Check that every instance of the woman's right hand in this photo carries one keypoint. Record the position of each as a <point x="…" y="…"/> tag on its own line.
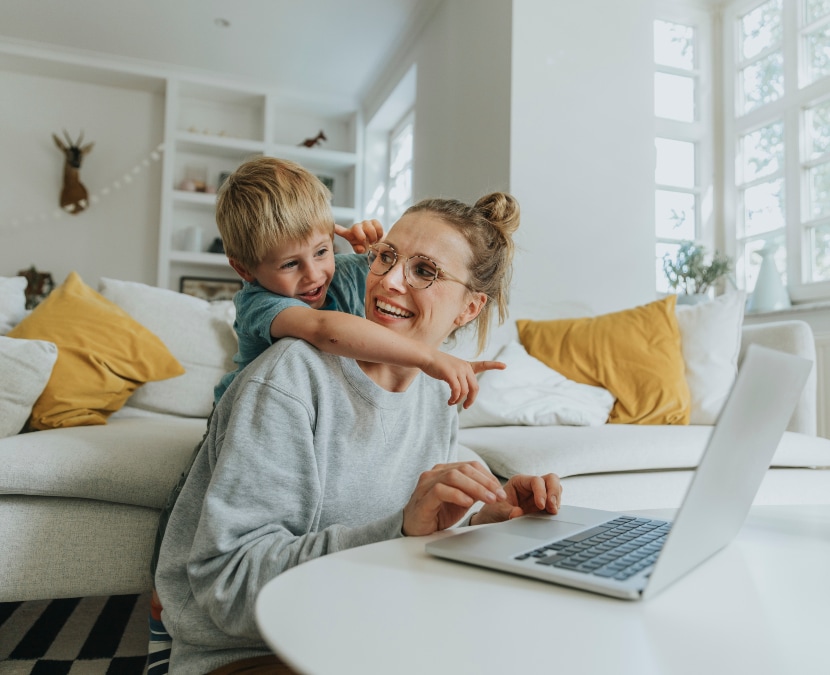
<point x="445" y="493"/>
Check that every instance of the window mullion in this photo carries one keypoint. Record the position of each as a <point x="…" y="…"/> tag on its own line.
<point x="673" y="70"/>
<point x="687" y="131"/>
<point x="766" y="178"/>
<point x="760" y="56"/>
<point x="794" y="192"/>
<point x="818" y="24"/>
<point x="674" y="188"/>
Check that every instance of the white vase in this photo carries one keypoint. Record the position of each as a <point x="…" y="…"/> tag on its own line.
<point x="692" y="298"/>
<point x="193" y="239"/>
<point x="770" y="293"/>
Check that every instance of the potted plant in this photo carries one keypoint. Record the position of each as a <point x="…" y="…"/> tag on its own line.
<point x="692" y="274"/>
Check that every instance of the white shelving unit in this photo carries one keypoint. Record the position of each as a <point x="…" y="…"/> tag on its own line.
<point x="210" y="129"/>
<point x="211" y="126"/>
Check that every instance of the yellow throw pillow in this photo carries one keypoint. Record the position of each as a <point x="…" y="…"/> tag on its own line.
<point x="104" y="355"/>
<point x="635" y="354"/>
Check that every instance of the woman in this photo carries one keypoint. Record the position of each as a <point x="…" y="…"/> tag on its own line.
<point x="309" y="453"/>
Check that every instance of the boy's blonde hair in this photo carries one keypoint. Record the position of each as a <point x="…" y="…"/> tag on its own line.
<point x="268" y="202"/>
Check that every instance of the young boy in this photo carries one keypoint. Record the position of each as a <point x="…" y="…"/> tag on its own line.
<point x="276" y="224"/>
<point x="278" y="232"/>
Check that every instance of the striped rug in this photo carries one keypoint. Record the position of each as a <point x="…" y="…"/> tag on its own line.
<point x="76" y="636"/>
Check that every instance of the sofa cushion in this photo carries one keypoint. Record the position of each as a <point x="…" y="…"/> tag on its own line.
<point x="635" y="354"/>
<point x="103" y="356"/>
<point x="25" y="367"/>
<point x="12" y="302"/>
<point x="132" y="461"/>
<point x="198" y="333"/>
<point x="528" y="392"/>
<point x="710" y="335"/>
<point x="569" y="451"/>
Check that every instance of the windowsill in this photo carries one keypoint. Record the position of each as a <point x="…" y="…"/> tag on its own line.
<point x="784" y="313"/>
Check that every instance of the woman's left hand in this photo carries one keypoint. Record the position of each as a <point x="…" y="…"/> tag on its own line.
<point x="525" y="494"/>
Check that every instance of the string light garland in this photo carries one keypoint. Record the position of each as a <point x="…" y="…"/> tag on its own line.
<point x="124" y="180"/>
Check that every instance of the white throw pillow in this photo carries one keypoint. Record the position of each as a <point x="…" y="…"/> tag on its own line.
<point x="12" y="302"/>
<point x="198" y="333"/>
<point x="25" y="367"/>
<point x="527" y="392"/>
<point x="711" y="340"/>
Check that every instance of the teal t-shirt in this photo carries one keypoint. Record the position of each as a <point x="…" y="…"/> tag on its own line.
<point x="256" y="308"/>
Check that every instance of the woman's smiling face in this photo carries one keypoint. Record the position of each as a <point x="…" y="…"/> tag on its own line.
<point x="428" y="314"/>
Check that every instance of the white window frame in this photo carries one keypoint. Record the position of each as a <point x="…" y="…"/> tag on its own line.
<point x="700" y="131"/>
<point x="397" y="106"/>
<point x="407" y="119"/>
<point x="791" y="109"/>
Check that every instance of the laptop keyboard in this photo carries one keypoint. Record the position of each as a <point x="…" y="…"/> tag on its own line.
<point x="616" y="549"/>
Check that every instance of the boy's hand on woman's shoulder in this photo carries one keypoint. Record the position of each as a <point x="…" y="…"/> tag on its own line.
<point x="361" y="235"/>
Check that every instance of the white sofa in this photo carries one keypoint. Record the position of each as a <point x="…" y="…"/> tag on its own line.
<point x="632" y="466"/>
<point x="79" y="506"/>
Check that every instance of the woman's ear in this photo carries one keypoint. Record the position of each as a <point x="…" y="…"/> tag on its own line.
<point x="241" y="270"/>
<point x="475" y="303"/>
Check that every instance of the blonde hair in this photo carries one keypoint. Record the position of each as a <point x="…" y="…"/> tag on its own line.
<point x="488" y="227"/>
<point x="267" y="202"/>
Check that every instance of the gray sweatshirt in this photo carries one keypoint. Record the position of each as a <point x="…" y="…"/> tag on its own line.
<point x="305" y="455"/>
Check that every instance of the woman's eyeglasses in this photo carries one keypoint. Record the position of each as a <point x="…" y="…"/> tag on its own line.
<point x="419" y="271"/>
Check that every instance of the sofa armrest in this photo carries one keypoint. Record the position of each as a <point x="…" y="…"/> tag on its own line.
<point x="793" y="337"/>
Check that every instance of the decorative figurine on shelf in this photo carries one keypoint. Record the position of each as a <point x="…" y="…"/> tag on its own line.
<point x="74" y="197"/>
<point x="316" y="140"/>
<point x="328" y="181"/>
<point x="216" y="246"/>
<point x="38" y="286"/>
<point x="195" y="179"/>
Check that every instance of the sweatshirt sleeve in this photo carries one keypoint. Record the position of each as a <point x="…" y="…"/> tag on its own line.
<point x="261" y="511"/>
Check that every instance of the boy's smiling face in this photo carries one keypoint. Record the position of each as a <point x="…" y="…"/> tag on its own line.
<point x="301" y="270"/>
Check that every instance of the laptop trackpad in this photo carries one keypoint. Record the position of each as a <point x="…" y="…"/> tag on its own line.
<point x="540" y="528"/>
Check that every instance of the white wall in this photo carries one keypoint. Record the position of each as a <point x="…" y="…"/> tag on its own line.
<point x="553" y="101"/>
<point x="118" y="237"/>
<point x="462" y="112"/>
<point x="582" y="150"/>
<point x="462" y="139"/>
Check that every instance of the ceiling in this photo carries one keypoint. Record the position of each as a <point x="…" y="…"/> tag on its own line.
<point x="327" y="47"/>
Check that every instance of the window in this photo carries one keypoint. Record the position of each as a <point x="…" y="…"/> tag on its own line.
<point x="400" y="168"/>
<point x="683" y="143"/>
<point x="390" y="146"/>
<point x="392" y="193"/>
<point x="777" y="133"/>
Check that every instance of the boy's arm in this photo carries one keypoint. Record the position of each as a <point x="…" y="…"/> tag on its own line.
<point x="357" y="338"/>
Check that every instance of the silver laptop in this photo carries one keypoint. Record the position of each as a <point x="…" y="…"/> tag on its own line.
<point x="629" y="557"/>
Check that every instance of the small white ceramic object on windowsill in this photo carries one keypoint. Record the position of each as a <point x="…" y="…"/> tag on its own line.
<point x="770" y="294"/>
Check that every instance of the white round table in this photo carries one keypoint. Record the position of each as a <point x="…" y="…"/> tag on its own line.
<point x="760" y="606"/>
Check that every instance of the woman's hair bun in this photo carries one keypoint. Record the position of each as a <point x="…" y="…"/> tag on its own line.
<point x="501" y="210"/>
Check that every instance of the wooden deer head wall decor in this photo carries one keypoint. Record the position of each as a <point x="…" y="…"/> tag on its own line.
<point x="74" y="197"/>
